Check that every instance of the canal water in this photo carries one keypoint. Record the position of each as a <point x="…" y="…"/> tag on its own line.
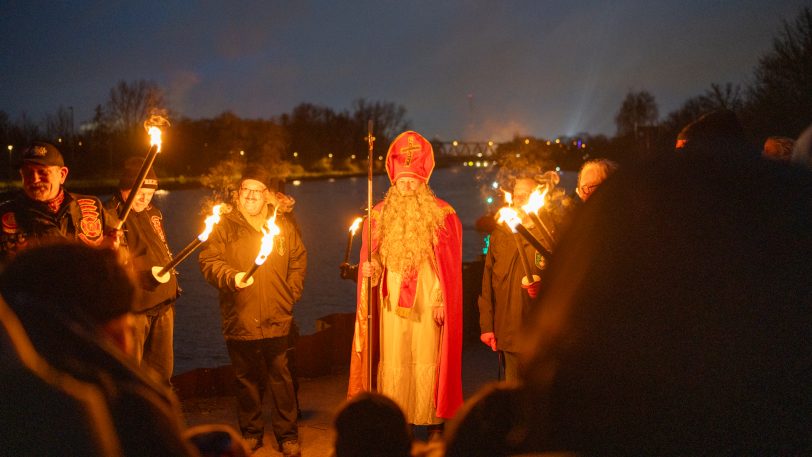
<point x="324" y="210"/>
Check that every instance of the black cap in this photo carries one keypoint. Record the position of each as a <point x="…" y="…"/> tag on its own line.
<point x="131" y="168"/>
<point x="42" y="153"/>
<point x="257" y="173"/>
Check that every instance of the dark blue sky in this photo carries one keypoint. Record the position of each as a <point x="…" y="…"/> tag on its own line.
<point x="463" y="69"/>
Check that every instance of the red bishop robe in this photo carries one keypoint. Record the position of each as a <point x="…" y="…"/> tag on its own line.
<point x="448" y="265"/>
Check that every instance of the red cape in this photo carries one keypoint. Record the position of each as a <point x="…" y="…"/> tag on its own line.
<point x="448" y="253"/>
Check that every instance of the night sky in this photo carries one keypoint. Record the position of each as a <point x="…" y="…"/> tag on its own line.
<point x="473" y="70"/>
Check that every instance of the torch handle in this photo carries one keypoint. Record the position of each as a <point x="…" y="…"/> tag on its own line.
<point x="370" y="144"/>
<point x="349" y="248"/>
<point x="542" y="229"/>
<point x="533" y="240"/>
<point x="525" y="264"/>
<point x="250" y="273"/>
<point x="139" y="181"/>
<point x="180" y="257"/>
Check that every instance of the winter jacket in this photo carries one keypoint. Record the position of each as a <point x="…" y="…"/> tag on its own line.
<point x="265" y="308"/>
<point x="27" y="222"/>
<point x="145" y="243"/>
<point x="503" y="303"/>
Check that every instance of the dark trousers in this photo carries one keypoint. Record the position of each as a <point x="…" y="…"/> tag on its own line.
<point x="259" y="365"/>
<point x="153" y="335"/>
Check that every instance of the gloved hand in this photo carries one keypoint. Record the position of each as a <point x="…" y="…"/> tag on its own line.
<point x="531" y="286"/>
<point x="533" y="289"/>
<point x="348" y="271"/>
<point x="489" y="339"/>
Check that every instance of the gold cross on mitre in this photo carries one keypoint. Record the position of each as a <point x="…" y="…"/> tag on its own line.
<point x="412" y="147"/>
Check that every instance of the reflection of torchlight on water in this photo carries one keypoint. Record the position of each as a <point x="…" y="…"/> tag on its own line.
<point x="331" y="180"/>
<point x="296" y="182"/>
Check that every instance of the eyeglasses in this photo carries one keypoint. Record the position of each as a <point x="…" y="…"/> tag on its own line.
<point x="246" y="191"/>
<point x="587" y="189"/>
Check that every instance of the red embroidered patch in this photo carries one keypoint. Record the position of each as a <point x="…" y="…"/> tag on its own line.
<point x="90" y="225"/>
<point x="9" y="223"/>
<point x="156" y="225"/>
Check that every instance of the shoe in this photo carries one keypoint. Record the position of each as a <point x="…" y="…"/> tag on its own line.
<point x="291" y="448"/>
<point x="253" y="442"/>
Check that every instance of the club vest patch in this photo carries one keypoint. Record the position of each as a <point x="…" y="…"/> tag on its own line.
<point x="90" y="226"/>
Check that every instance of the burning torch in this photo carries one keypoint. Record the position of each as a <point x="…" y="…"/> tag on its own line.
<point x="161" y="274"/>
<point x="353" y="228"/>
<point x="511" y="219"/>
<point x="268" y="234"/>
<point x="534" y="203"/>
<point x="153" y="126"/>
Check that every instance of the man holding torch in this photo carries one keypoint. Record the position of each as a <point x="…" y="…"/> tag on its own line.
<point x="257" y="313"/>
<point x="144" y="244"/>
<point x="44" y="211"/>
<point x="505" y="299"/>
<point x="416" y="277"/>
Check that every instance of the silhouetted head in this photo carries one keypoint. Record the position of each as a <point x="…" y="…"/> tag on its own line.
<point x="371" y="425"/>
<point x="715" y="134"/>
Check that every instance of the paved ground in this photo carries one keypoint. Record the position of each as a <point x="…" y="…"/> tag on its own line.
<point x="320" y="398"/>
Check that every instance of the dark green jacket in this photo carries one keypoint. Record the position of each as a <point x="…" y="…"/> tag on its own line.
<point x="503" y="303"/>
<point x="264" y="309"/>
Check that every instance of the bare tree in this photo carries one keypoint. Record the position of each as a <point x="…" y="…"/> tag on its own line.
<point x="639" y="109"/>
<point x="131" y="103"/>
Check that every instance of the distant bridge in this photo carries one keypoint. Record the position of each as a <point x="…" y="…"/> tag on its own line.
<point x="465" y="148"/>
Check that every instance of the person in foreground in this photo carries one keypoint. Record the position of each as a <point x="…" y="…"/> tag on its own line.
<point x="415" y="274"/>
<point x="257" y="316"/>
<point x="75" y="302"/>
<point x="675" y="321"/>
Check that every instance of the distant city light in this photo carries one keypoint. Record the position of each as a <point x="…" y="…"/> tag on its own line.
<point x="470" y="164"/>
<point x="495" y="185"/>
<point x="465" y="164"/>
<point x="380" y="157"/>
<point x="479" y="154"/>
<point x="490" y="143"/>
<point x="489" y="200"/>
<point x="330" y="155"/>
<point x="518" y="155"/>
<point x="557" y="141"/>
<point x="353" y="157"/>
<point x="455" y="143"/>
<point x="558" y="169"/>
<point x="295" y="154"/>
<point x="297" y="183"/>
<point x="548" y="142"/>
<point x="478" y="164"/>
<point x="485" y="163"/>
<point x="527" y="141"/>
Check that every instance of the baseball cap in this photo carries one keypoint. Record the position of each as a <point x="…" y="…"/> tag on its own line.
<point x="42" y="153"/>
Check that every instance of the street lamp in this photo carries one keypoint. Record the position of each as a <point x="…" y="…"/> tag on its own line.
<point x="10" y="165"/>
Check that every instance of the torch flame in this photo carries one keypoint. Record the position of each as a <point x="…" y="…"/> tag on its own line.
<point x="535" y="202"/>
<point x="355" y="224"/>
<point x="210" y="221"/>
<point x="508" y="198"/>
<point x="155" y="137"/>
<point x="510" y="217"/>
<point x="267" y="239"/>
